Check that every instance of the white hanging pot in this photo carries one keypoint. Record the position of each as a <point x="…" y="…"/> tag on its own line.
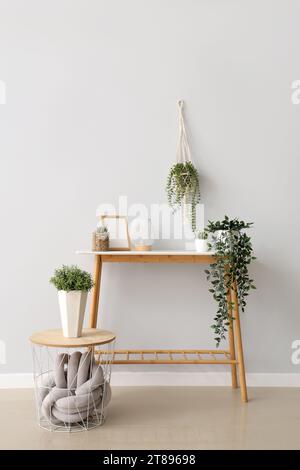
<point x="223" y="233"/>
<point x="220" y="233"/>
<point x="72" y="307"/>
<point x="201" y="245"/>
<point x="221" y="236"/>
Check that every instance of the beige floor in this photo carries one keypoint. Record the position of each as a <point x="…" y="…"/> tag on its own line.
<point x="166" y="418"/>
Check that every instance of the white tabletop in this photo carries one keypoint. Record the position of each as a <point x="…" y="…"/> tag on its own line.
<point x="148" y="253"/>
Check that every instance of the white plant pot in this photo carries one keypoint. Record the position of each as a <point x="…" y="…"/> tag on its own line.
<point x="72" y="307"/>
<point x="220" y="233"/>
<point x="201" y="245"/>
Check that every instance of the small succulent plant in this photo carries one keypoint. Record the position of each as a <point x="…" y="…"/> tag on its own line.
<point x="102" y="232"/>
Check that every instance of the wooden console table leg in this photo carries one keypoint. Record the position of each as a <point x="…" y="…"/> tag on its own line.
<point x="95" y="292"/>
<point x="240" y="354"/>
<point x="231" y="343"/>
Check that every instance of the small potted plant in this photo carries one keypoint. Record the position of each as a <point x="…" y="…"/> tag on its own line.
<point x="102" y="238"/>
<point x="201" y="244"/>
<point x="73" y="285"/>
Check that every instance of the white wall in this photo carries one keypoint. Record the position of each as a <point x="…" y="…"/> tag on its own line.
<point x="91" y="114"/>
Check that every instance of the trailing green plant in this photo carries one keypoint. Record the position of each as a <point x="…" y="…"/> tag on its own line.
<point x="201" y="235"/>
<point x="183" y="188"/>
<point x="233" y="255"/>
<point x="69" y="278"/>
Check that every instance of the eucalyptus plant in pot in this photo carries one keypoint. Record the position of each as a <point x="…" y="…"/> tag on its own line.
<point x="73" y="285"/>
<point x="233" y="255"/>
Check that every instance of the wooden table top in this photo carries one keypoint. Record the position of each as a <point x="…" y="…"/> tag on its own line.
<point x="90" y="337"/>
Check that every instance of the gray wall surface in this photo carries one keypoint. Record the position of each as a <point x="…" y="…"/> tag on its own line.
<point x="91" y="114"/>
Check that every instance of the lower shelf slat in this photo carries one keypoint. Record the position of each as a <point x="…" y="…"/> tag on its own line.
<point x="154" y="356"/>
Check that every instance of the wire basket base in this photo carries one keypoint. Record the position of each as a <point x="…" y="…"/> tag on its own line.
<point x="72" y="391"/>
<point x="86" y="425"/>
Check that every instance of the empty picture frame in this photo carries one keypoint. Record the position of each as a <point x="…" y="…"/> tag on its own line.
<point x="118" y="232"/>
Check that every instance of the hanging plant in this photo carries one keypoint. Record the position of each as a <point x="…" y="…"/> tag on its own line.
<point x="234" y="253"/>
<point x="182" y="187"/>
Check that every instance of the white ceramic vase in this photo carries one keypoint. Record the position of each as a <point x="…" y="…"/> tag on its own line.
<point x="72" y="307"/>
<point x="201" y="245"/>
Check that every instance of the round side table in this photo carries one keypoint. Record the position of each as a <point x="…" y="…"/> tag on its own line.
<point x="72" y="378"/>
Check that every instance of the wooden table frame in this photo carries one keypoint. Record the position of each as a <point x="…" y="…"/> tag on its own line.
<point x="234" y="356"/>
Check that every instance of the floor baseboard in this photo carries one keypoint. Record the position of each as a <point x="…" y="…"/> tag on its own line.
<point x="163" y="379"/>
<point x="202" y="379"/>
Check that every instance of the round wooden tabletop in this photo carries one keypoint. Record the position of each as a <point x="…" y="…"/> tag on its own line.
<point x="55" y="338"/>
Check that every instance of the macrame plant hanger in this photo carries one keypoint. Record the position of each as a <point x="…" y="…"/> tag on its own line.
<point x="183" y="150"/>
<point x="183" y="155"/>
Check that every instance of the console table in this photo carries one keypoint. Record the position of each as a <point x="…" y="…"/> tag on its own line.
<point x="232" y="356"/>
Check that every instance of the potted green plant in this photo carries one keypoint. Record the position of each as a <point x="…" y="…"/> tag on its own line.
<point x="201" y="243"/>
<point x="233" y="255"/>
<point x="183" y="189"/>
<point x="182" y="186"/>
<point x="73" y="285"/>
